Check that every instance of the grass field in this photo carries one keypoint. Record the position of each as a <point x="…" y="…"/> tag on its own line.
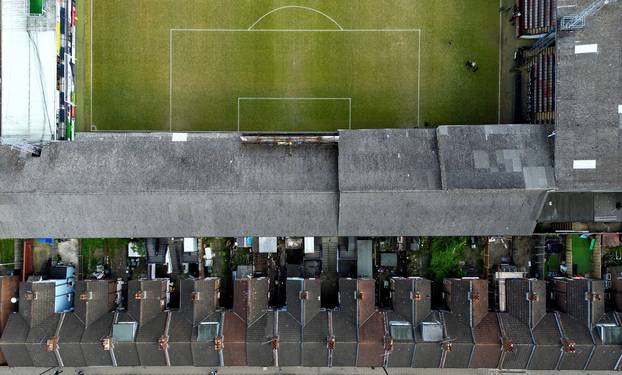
<point x="308" y="65"/>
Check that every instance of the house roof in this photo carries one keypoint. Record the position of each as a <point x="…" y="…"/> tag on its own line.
<point x="411" y="298"/>
<point x="487" y="338"/>
<point x="526" y="300"/>
<point x="588" y="96"/>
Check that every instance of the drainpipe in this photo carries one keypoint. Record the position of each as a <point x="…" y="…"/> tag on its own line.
<point x="569" y="255"/>
<point x="18" y="246"/>
<point x="597" y="259"/>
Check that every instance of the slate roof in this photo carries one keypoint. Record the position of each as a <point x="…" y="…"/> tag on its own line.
<point x="303" y="309"/>
<point x="427" y="354"/>
<point x="547" y="339"/>
<point x="606" y="355"/>
<point x="530" y="310"/>
<point x="8" y="290"/>
<point x="487" y="338"/>
<point x="411" y="300"/>
<point x="81" y="331"/>
<point x="471" y="336"/>
<point x="518" y="334"/>
<point x="468" y="301"/>
<point x="146" y="304"/>
<point x="578" y="332"/>
<point x="589" y="93"/>
<point x="198" y="303"/>
<point x="25" y="336"/>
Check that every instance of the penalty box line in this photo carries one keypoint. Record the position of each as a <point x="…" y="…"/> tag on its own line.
<point x="349" y="100"/>
<point x="170" y="49"/>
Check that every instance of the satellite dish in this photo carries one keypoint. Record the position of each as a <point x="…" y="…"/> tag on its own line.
<point x="13" y="300"/>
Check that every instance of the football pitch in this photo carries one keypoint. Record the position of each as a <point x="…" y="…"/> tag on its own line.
<point x="308" y="65"/>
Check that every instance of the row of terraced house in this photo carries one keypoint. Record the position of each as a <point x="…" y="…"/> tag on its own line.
<point x="574" y="333"/>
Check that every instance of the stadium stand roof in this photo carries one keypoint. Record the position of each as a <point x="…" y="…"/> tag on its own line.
<point x="495" y="157"/>
<point x="127" y="185"/>
<point x="588" y="140"/>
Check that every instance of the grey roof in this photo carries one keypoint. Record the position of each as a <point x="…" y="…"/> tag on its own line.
<point x="259" y="341"/>
<point x="314" y="341"/>
<point x="519" y="335"/>
<point x="548" y="344"/>
<point x="605" y="356"/>
<point x="13" y="341"/>
<point x="203" y="353"/>
<point x="589" y="91"/>
<point x="528" y="312"/>
<point x="402" y="354"/>
<point x="146" y="185"/>
<point x="427" y="354"/>
<point x="411" y="300"/>
<point x="388" y="160"/>
<point x="578" y="332"/>
<point x="440" y="212"/>
<point x="495" y="157"/>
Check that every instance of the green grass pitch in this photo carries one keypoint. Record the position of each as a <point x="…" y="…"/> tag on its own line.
<point x="305" y="65"/>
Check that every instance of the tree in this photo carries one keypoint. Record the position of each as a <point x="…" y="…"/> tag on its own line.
<point x="446" y="257"/>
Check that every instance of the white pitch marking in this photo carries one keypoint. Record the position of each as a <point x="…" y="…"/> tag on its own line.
<point x="500" y="44"/>
<point x="91" y="70"/>
<point x="295" y="7"/>
<point x="418" y="79"/>
<point x="170" y="80"/>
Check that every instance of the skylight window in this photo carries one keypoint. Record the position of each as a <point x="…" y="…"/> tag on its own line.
<point x="208" y="331"/>
<point x="401" y="331"/>
<point x="124" y="331"/>
<point x="610" y="334"/>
